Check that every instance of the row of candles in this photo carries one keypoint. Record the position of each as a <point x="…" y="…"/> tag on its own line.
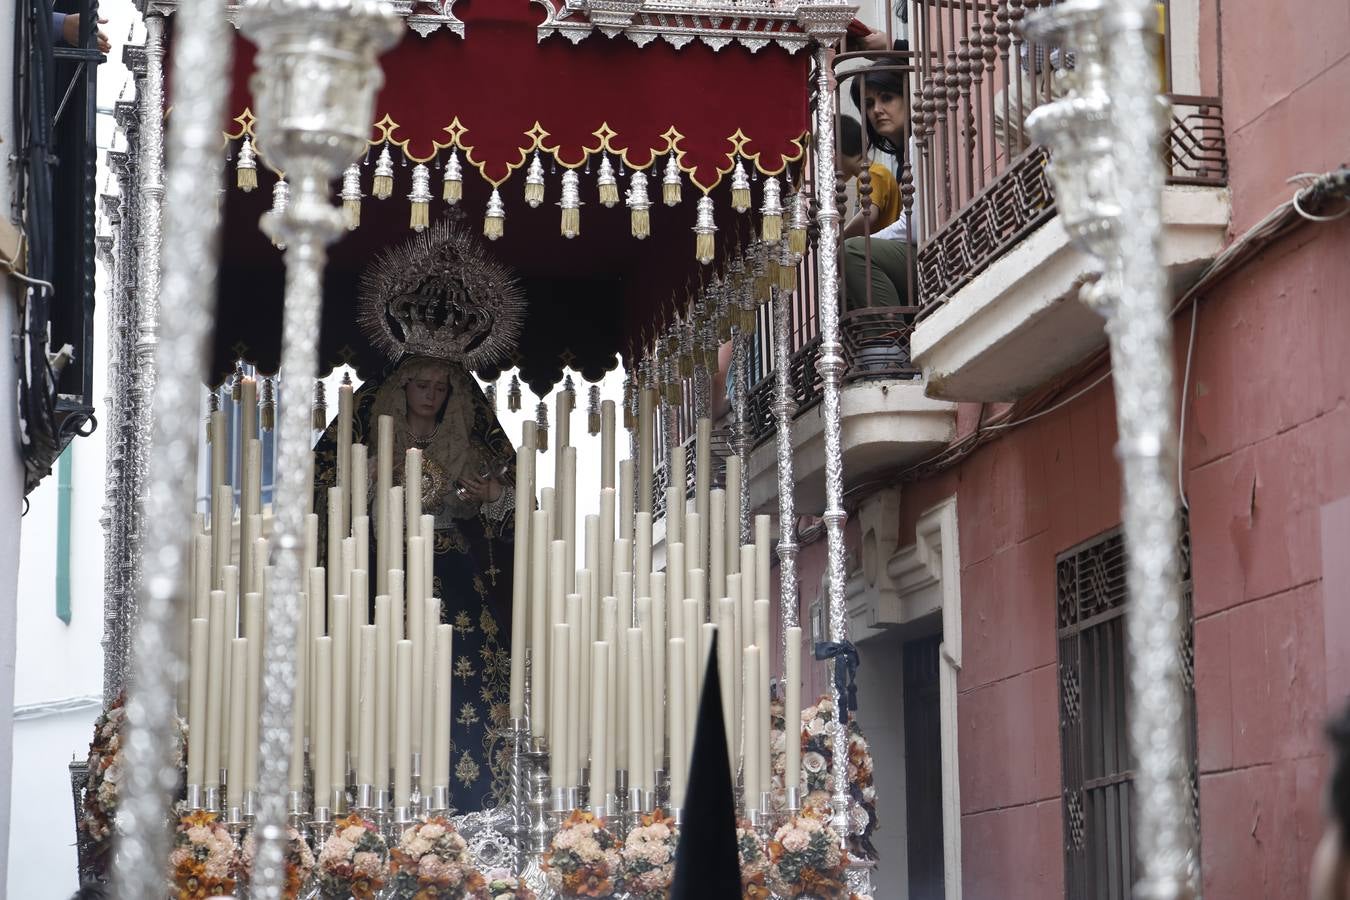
<point x="617" y="652"/>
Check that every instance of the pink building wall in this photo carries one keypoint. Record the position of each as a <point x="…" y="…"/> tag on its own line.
<point x="1267" y="472"/>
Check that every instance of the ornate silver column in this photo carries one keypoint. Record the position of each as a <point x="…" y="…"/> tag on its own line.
<point x="783" y="410"/>
<point x="201" y="70"/>
<point x="315" y="87"/>
<point x="827" y="24"/>
<point x="740" y="437"/>
<point x="1108" y="179"/>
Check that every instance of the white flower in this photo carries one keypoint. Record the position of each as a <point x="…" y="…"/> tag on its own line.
<point x="815" y="726"/>
<point x="814" y="763"/>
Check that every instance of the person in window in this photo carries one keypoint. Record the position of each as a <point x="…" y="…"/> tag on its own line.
<point x="66" y="27"/>
<point x="883" y="96"/>
<point x="883" y="207"/>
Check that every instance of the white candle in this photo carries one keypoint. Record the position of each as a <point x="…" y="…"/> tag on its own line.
<point x="574" y="689"/>
<point x="201" y="595"/>
<point x="763" y="562"/>
<point x="702" y="475"/>
<point x="248" y="507"/>
<point x="557" y="603"/>
<point x="605" y="573"/>
<point x="416" y="634"/>
<point x="359" y="611"/>
<point x="599" y="722"/>
<point x="539" y="623"/>
<point x="333" y="557"/>
<point x="646" y="449"/>
<point x="520" y="574"/>
<point x="693" y="637"/>
<point x="637" y="769"/>
<point x="732" y="535"/>
<point x="698" y="591"/>
<point x="248" y="407"/>
<point x="384" y="652"/>
<point x="583" y="685"/>
<point x="394" y="555"/>
<point x="693" y="541"/>
<point x="792" y="708"/>
<point x="674" y="515"/>
<point x="412" y="490"/>
<point x="341" y="704"/>
<point x="717" y="548"/>
<point x="359" y="490"/>
<point x="679" y="760"/>
<point x="402" y="723"/>
<point x="569" y="512"/>
<point x="747" y="599"/>
<point x="238" y="730"/>
<point x="649" y="702"/>
<point x="222" y="517"/>
<point x="384" y="481"/>
<point x="727" y="652"/>
<point x="231" y="632"/>
<point x="311" y="542"/>
<point x="626" y="498"/>
<point x="321" y="757"/>
<point x="762" y="692"/>
<point x="348" y="566"/>
<point x="642" y="547"/>
<point x="365" y="757"/>
<point x="441" y="754"/>
<point x="609" y="633"/>
<point x="215" y="697"/>
<point x="607" y="444"/>
<point x="428" y="533"/>
<point x="399" y="606"/>
<point x="707" y="632"/>
<point x="559" y="764"/>
<point x="221" y="498"/>
<point x="260" y="552"/>
<point x="361" y="537"/>
<point x="199" y="636"/>
<point x="316" y="611"/>
<point x="300" y="702"/>
<point x="751" y="702"/>
<point x="431" y="621"/>
<point x="623" y="564"/>
<point x="562" y="429"/>
<point x="344" y="449"/>
<point x="253" y="630"/>
<point x="658" y="669"/>
<point x="676" y="583"/>
<point x="740" y="639"/>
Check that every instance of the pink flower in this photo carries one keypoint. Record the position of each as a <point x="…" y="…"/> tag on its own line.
<point x="368" y="864"/>
<point x="795" y="841"/>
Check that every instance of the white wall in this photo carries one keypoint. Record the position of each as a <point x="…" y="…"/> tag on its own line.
<point x="881" y="710"/>
<point x="56" y="661"/>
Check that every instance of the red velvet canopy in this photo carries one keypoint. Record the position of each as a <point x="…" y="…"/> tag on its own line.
<point x="497" y="95"/>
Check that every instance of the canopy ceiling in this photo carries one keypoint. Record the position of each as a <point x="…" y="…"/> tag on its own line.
<point x="494" y="97"/>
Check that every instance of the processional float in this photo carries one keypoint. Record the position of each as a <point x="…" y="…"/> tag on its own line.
<point x="703" y="111"/>
<point x="707" y="133"/>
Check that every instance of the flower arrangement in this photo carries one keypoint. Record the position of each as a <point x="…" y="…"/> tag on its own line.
<point x="299" y="862"/>
<point x="754" y="857"/>
<point x="817" y="781"/>
<point x="202" y="861"/>
<point x="103" y="791"/>
<point x="649" y="857"/>
<point x="805" y="859"/>
<point x="354" y="861"/>
<point x="432" y="862"/>
<point x="583" y="859"/>
<point x="502" y="885"/>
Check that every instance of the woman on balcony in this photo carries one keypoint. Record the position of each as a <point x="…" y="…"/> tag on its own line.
<point x="883" y="96"/>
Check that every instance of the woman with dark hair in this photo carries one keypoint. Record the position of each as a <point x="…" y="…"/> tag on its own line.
<point x="883" y="97"/>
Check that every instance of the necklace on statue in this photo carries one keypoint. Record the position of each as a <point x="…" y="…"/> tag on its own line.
<point x="421" y="441"/>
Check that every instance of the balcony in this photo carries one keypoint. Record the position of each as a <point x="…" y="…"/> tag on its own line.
<point x="998" y="312"/>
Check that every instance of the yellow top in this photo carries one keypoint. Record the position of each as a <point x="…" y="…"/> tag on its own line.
<point x="885" y="195"/>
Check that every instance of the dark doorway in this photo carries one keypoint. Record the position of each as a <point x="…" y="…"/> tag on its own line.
<point x="923" y="769"/>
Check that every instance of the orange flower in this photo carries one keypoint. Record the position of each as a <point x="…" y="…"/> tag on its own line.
<point x="657" y="817"/>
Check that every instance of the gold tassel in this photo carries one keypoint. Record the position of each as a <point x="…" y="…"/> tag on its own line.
<point x="494" y="224"/>
<point x="704" y="245"/>
<point x="705" y="230"/>
<point x="571" y="223"/>
<point x="787" y="278"/>
<point x="642" y="223"/>
<point x="541" y="421"/>
<point x="452" y="189"/>
<point x="320" y="407"/>
<point x="670" y="183"/>
<point x="384" y="176"/>
<point x="609" y="194"/>
<point x="797" y="240"/>
<point x="772" y="270"/>
<point x="534" y="182"/>
<point x="420" y="216"/>
<point x="351" y="196"/>
<point x="534" y="193"/>
<point x="772" y="229"/>
<point x="268" y="406"/>
<point x="740" y="188"/>
<point x="246" y="170"/>
<point x="513" y="394"/>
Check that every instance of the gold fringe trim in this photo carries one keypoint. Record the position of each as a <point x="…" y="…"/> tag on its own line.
<point x="384" y="187"/>
<point x="787" y="278"/>
<point x="247" y="179"/>
<point x="670" y="194"/>
<point x="740" y="199"/>
<point x="352" y="210"/>
<point x="609" y="194"/>
<point x="534" y="194"/>
<point x="797" y="240"/>
<point x="493" y="228"/>
<point x="453" y="191"/>
<point x="642" y="223"/>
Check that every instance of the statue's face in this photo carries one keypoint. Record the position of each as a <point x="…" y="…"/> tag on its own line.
<point x="426" y="392"/>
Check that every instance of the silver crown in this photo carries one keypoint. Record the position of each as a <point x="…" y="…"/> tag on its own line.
<point x="441" y="295"/>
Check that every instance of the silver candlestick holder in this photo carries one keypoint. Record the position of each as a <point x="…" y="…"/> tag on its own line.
<point x="539" y="797"/>
<point x="415" y="799"/>
<point x="195" y="798"/>
<point x="321" y="825"/>
<point x="295" y="809"/>
<point x="438" y="801"/>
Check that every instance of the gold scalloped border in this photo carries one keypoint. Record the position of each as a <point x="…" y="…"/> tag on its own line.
<point x="537" y="140"/>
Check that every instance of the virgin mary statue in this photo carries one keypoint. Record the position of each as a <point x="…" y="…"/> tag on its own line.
<point x="438" y="307"/>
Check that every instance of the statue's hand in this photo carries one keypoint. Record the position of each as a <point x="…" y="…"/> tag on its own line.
<point x="480" y="490"/>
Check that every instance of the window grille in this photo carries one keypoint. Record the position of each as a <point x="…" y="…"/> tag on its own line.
<point x="1098" y="770"/>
